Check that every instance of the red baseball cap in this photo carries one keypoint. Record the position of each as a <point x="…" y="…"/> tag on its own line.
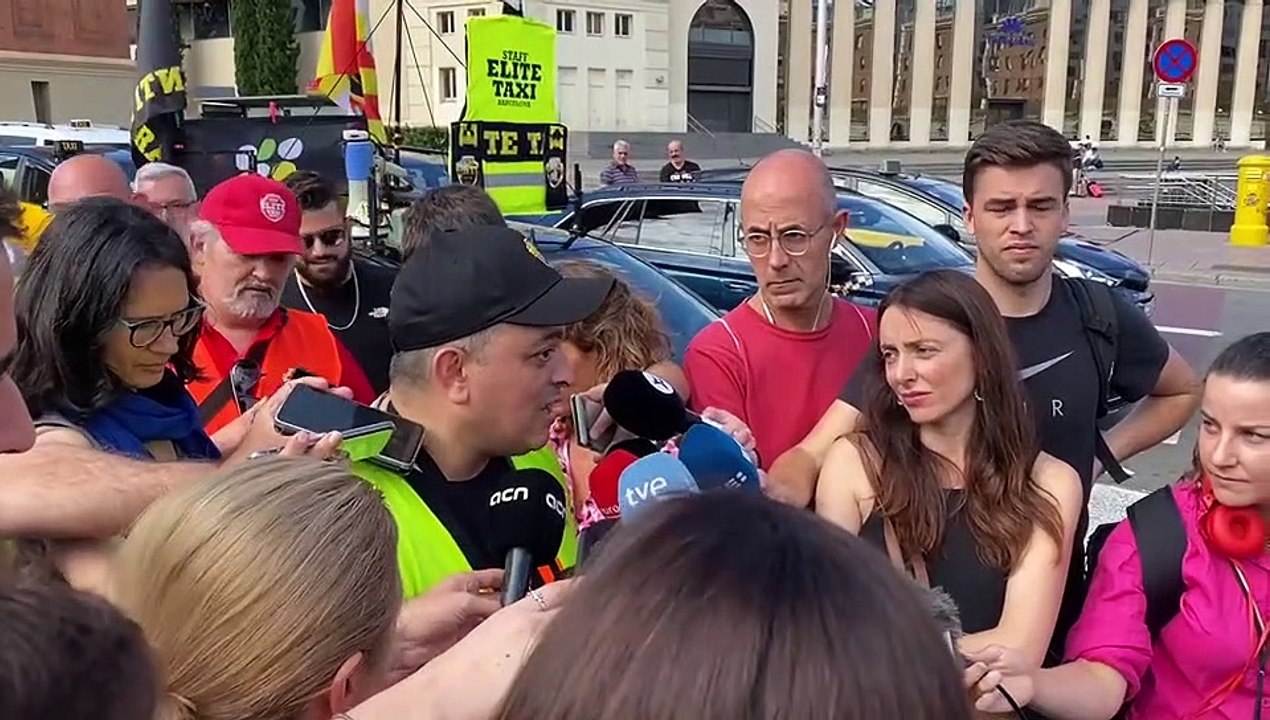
<point x="255" y="215"/>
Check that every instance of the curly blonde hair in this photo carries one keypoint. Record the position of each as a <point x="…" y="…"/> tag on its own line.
<point x="626" y="333"/>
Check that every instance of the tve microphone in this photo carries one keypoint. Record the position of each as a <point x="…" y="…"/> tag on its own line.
<point x="527" y="517"/>
<point x="647" y="405"/>
<point x="717" y="460"/>
<point x="603" y="485"/>
<point x="650" y="478"/>
<point x="359" y="159"/>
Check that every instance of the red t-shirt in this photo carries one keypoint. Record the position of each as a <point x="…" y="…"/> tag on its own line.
<point x="225" y="355"/>
<point x="777" y="381"/>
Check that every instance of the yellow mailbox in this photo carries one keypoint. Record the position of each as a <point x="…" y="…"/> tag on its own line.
<point x="1252" y="198"/>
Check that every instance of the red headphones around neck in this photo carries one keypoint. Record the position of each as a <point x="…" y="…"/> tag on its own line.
<point x="1233" y="532"/>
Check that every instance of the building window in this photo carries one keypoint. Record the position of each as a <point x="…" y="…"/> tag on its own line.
<point x="564" y="21"/>
<point x="211" y="20"/>
<point x="449" y="84"/>
<point x="622" y="24"/>
<point x="476" y="12"/>
<point x="311" y="15"/>
<point x="445" y="19"/>
<point x="594" y="23"/>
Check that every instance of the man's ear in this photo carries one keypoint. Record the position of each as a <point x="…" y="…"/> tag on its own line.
<point x="450" y="370"/>
<point x="968" y="217"/>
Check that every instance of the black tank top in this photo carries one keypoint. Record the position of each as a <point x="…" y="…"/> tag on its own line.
<point x="977" y="588"/>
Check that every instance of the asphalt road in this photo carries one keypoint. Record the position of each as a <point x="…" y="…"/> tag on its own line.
<point x="1198" y="321"/>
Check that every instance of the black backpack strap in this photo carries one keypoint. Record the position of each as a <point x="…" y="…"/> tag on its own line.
<point x="220" y="395"/>
<point x="1161" y="539"/>
<point x="1102" y="332"/>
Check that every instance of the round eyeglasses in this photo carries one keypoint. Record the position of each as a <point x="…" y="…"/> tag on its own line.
<point x="144" y="333"/>
<point x="794" y="242"/>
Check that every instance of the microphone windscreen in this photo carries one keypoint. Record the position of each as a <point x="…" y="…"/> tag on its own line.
<point x="605" y="478"/>
<point x="944" y="610"/>
<point x="646" y="405"/>
<point x="717" y="460"/>
<point x="639" y="447"/>
<point x="528" y="511"/>
<point x="650" y="478"/>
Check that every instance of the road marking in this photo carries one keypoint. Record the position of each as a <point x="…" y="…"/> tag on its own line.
<point x="1188" y="331"/>
<point x="1173" y="439"/>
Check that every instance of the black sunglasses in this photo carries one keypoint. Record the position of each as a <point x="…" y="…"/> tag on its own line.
<point x="144" y="333"/>
<point x="334" y="237"/>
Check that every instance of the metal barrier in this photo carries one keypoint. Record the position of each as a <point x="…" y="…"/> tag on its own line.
<point x="1187" y="190"/>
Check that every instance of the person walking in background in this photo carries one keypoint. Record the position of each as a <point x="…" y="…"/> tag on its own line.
<point x="620" y="171"/>
<point x="678" y="169"/>
<point x="352" y="293"/>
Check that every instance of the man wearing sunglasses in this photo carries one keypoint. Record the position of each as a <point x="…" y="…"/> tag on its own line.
<point x="244" y="247"/>
<point x="350" y="291"/>
<point x="779" y="359"/>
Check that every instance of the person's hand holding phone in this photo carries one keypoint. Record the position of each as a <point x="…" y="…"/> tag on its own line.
<point x="260" y="435"/>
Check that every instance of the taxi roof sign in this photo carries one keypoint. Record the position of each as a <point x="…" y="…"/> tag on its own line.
<point x="67" y="148"/>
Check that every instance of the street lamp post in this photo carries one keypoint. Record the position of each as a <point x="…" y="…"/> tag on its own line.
<point x="821" y="97"/>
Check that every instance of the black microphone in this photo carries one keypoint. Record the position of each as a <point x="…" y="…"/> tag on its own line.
<point x="639" y="447"/>
<point x="647" y="405"/>
<point x="527" y="518"/>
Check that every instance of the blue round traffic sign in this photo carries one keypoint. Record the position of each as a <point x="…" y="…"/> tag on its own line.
<point x="1175" y="61"/>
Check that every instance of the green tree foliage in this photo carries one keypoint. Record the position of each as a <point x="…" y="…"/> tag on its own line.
<point x="265" y="49"/>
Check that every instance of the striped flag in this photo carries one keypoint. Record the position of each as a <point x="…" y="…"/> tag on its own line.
<point x="346" y="68"/>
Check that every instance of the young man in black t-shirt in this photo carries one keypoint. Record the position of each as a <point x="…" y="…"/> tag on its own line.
<point x="1016" y="179"/>
<point x="352" y="293"/>
<point x="678" y="170"/>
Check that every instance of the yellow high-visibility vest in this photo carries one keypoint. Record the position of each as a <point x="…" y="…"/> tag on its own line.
<point x="426" y="552"/>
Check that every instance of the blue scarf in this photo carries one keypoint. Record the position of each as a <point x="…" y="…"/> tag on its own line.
<point x="164" y="412"/>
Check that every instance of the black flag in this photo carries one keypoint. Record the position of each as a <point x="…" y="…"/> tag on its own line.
<point x="159" y="98"/>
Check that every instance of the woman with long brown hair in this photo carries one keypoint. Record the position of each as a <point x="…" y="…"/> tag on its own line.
<point x="945" y="475"/>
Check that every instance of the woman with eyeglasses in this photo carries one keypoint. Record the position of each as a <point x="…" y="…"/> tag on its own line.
<point x="107" y="314"/>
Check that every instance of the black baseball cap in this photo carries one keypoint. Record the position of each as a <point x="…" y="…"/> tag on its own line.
<point x="464" y="281"/>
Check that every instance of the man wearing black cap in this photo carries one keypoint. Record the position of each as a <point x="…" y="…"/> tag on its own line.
<point x="476" y="321"/>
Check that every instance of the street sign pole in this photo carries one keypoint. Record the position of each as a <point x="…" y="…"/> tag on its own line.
<point x="1174" y="63"/>
<point x="1170" y="108"/>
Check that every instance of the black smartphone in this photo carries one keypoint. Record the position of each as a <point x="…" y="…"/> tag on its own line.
<point x="310" y="410"/>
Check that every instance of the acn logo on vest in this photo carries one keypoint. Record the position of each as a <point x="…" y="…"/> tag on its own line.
<point x="509" y="495"/>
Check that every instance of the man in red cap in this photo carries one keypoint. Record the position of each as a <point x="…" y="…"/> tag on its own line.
<point x="244" y="246"/>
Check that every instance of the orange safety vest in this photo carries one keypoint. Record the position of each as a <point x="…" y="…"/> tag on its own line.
<point x="304" y="340"/>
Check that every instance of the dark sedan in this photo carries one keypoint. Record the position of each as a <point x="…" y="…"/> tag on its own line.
<point x="690" y="231"/>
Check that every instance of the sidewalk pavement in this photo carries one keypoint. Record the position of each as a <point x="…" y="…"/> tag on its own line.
<point x="1182" y="256"/>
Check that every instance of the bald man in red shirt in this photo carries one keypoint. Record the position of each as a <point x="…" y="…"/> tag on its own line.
<point x="780" y="359"/>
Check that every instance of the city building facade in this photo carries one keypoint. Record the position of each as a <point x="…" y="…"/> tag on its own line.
<point x="63" y="60"/>
<point x="622" y="65"/>
<point x="937" y="72"/>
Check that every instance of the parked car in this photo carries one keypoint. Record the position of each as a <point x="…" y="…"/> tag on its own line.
<point x="683" y="313"/>
<point x="26" y="169"/>
<point x="938" y="203"/>
<point x="690" y="231"/>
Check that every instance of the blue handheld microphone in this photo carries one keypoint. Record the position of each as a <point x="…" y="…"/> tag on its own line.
<point x="717" y="460"/>
<point x="649" y="478"/>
